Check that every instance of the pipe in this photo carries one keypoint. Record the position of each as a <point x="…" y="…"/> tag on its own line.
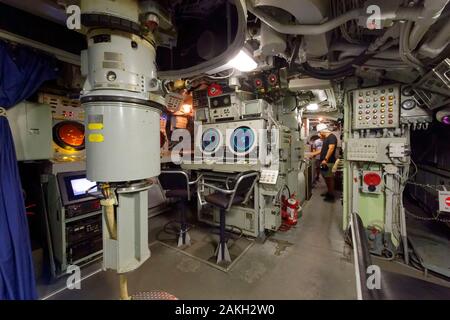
<point x="430" y="14"/>
<point x="405" y="52"/>
<point x="123" y="282"/>
<point x="309" y="29"/>
<point x="58" y="53"/>
<point x="412" y="14"/>
<point x="391" y="54"/>
<point x="108" y="204"/>
<point x="437" y="44"/>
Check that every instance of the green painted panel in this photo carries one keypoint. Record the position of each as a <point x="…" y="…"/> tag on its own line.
<point x="371" y="209"/>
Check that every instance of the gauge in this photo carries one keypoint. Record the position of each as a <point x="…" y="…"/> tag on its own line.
<point x="211" y="140"/>
<point x="242" y="139"/>
<point x="407" y="91"/>
<point x="69" y="135"/>
<point x="408" y="104"/>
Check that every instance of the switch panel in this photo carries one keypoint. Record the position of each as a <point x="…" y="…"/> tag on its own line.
<point x="362" y="150"/>
<point x="268" y="176"/>
<point x="375" y="108"/>
<point x="397" y="150"/>
<point x="373" y="149"/>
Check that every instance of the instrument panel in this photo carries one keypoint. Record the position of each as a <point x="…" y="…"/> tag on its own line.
<point x="376" y="108"/>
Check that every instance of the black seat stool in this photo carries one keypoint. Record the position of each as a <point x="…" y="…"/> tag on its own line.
<point x="224" y="199"/>
<point x="177" y="185"/>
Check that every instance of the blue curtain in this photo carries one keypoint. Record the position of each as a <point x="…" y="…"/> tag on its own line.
<point x="22" y="72"/>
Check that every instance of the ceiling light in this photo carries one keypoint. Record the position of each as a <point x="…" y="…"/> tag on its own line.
<point x="312" y="107"/>
<point x="243" y="62"/>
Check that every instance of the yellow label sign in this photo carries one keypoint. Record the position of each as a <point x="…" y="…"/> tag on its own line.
<point x="95" y="126"/>
<point x="96" y="138"/>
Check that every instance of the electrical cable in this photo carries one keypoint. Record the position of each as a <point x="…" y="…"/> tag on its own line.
<point x="340" y="72"/>
<point x="298" y="41"/>
<point x="221" y="77"/>
<point x="174" y="231"/>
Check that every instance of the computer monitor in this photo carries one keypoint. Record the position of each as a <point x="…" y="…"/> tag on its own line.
<point x="75" y="187"/>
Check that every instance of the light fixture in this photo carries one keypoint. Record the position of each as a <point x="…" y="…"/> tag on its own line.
<point x="243" y="62"/>
<point x="186" y="108"/>
<point x="312" y="107"/>
<point x="443" y="116"/>
<point x="320" y="119"/>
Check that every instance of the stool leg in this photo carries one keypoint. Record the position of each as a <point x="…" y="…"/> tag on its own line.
<point x="223" y="255"/>
<point x="183" y="239"/>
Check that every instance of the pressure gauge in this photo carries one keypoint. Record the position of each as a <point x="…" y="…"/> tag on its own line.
<point x="408" y="104"/>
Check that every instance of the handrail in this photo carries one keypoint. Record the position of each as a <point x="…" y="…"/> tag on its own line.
<point x="233" y="191"/>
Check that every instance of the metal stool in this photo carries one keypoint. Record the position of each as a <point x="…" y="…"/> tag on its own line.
<point x="224" y="199"/>
<point x="177" y="185"/>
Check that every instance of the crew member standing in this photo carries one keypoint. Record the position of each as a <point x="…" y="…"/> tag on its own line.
<point x="327" y="159"/>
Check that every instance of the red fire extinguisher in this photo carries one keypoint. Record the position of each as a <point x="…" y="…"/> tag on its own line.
<point x="289" y="209"/>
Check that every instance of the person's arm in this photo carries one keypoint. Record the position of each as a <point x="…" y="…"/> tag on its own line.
<point x="330" y="152"/>
<point x="314" y="153"/>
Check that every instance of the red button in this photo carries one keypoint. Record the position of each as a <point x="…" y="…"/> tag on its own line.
<point x="447" y="201"/>
<point x="372" y="179"/>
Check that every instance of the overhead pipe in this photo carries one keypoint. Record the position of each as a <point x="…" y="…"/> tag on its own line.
<point x="412" y="14"/>
<point x="309" y="29"/>
<point x="431" y="12"/>
<point x="437" y="44"/>
<point x="352" y="50"/>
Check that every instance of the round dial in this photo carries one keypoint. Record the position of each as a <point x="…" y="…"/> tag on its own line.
<point x="408" y="104"/>
<point x="69" y="135"/>
<point x="242" y="139"/>
<point x="211" y="140"/>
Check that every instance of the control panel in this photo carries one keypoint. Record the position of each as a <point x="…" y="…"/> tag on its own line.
<point x="413" y="110"/>
<point x="224" y="108"/>
<point x="63" y="108"/>
<point x="227" y="106"/>
<point x="375" y="108"/>
<point x="268" y="176"/>
<point x="379" y="150"/>
<point x="82" y="208"/>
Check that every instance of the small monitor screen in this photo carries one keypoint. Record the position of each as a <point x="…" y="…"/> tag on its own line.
<point x="80" y="186"/>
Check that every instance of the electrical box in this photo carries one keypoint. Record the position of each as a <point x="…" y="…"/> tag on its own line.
<point x="397" y="150"/>
<point x="376" y="108"/>
<point x="379" y="150"/>
<point x="255" y="108"/>
<point x="272" y="218"/>
<point x="31" y="127"/>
